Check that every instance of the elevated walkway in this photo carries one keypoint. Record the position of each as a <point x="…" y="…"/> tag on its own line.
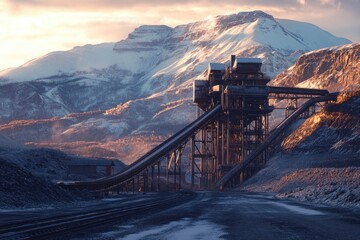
<point x="298" y="91"/>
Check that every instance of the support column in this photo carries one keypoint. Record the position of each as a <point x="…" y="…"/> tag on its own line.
<point x="193" y="161"/>
<point x="218" y="149"/>
<point x="175" y="172"/>
<point x="167" y="171"/>
<point x="179" y="167"/>
<point x="133" y="185"/>
<point x="152" y="178"/>
<point x="158" y="176"/>
<point x="227" y="140"/>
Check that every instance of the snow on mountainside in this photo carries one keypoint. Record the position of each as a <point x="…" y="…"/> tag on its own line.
<point x="6" y="142"/>
<point x="149" y="46"/>
<point x="152" y="59"/>
<point x="132" y="87"/>
<point x="335" y="69"/>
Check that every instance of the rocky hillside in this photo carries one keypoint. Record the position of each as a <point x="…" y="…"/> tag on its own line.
<point x="20" y="188"/>
<point x="28" y="176"/>
<point x="335" y="129"/>
<point x="334" y="69"/>
<point x="320" y="160"/>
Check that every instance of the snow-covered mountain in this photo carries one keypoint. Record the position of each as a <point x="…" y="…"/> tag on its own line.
<point x="140" y="85"/>
<point x="152" y="59"/>
<point x="335" y="69"/>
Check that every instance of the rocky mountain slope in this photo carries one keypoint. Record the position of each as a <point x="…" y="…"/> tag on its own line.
<point x="335" y="69"/>
<point x="96" y="99"/>
<point x="320" y="160"/>
<point x="335" y="129"/>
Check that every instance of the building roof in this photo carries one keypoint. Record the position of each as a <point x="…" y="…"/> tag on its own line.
<point x="217" y="66"/>
<point x="248" y="60"/>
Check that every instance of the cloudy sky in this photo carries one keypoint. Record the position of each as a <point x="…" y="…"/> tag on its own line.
<point x="31" y="28"/>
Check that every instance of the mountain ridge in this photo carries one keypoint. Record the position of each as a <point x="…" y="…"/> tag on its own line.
<point x="334" y="69"/>
<point x="149" y="84"/>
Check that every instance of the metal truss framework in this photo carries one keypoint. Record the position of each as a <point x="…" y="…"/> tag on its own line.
<point x="164" y="175"/>
<point x="235" y="101"/>
<point x="220" y="144"/>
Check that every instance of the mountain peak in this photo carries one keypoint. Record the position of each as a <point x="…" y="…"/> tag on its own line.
<point x="229" y="21"/>
<point x="145" y="35"/>
<point x="252" y="34"/>
<point x="250" y="16"/>
<point x="146" y="29"/>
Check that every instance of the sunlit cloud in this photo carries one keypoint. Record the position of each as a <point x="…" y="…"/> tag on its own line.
<point x="32" y="28"/>
<point x="302" y="2"/>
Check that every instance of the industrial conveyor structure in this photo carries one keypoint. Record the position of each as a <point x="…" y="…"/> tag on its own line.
<point x="140" y="175"/>
<point x="230" y="177"/>
<point x="228" y="143"/>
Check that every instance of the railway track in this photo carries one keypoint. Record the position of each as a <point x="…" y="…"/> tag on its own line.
<point x="61" y="226"/>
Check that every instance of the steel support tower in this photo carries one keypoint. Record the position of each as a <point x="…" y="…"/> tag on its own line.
<point x="229" y="141"/>
<point x="242" y="92"/>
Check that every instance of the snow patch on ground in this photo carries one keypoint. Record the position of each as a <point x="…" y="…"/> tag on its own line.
<point x="313" y="178"/>
<point x="179" y="230"/>
<point x="297" y="209"/>
<point x="12" y="210"/>
<point x="333" y="186"/>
